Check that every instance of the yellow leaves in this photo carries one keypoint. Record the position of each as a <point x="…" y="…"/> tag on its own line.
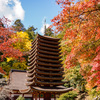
<point x="28" y="45"/>
<point x="9" y="59"/>
<point x="20" y="65"/>
<point x="86" y="0"/>
<point x="88" y="86"/>
<point x="23" y="43"/>
<point x="6" y="77"/>
<point x="22" y="35"/>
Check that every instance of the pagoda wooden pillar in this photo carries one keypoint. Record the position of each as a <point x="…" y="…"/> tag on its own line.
<point x="36" y="96"/>
<point x="39" y="96"/>
<point x="32" y="96"/>
<point x="54" y="96"/>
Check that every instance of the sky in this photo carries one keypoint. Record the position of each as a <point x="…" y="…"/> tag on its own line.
<point x="30" y="12"/>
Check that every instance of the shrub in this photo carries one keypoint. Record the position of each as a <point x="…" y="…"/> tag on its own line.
<point x="94" y="93"/>
<point x="20" y="98"/>
<point x="68" y="96"/>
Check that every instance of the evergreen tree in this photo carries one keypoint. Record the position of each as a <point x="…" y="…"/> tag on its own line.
<point x="18" y="26"/>
<point x="49" y="32"/>
<point x="31" y="32"/>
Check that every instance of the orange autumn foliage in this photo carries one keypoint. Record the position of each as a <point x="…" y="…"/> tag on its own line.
<point x="83" y="36"/>
<point x="6" y="47"/>
<point x="2" y="71"/>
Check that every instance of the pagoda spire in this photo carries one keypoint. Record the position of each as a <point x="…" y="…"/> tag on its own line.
<point x="44" y="26"/>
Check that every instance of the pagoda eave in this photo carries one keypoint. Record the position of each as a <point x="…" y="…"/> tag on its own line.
<point x="48" y="45"/>
<point x="47" y="56"/>
<point x="48" y="78"/>
<point x="48" y="52"/>
<point x="48" y="38"/>
<point x="49" y="83"/>
<point x="49" y="68"/>
<point x="31" y="74"/>
<point x="45" y="83"/>
<point x="57" y="89"/>
<point x="31" y="70"/>
<point x="49" y="60"/>
<point x="31" y="67"/>
<point x="49" y="42"/>
<point x="46" y="73"/>
<point x="49" y="64"/>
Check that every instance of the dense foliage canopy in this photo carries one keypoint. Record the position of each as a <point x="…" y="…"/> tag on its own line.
<point x="6" y="47"/>
<point x="15" y="43"/>
<point x="80" y="23"/>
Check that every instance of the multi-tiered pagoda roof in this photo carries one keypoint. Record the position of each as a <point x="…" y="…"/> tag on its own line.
<point x="45" y="65"/>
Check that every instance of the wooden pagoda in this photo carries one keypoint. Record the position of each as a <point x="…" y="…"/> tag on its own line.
<point x="45" y="70"/>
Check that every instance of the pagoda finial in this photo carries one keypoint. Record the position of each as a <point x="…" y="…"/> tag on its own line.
<point x="45" y="26"/>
